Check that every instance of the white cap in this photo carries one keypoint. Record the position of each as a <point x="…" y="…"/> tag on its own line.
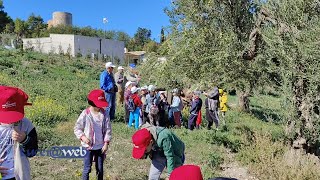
<point x="120" y="67"/>
<point x="151" y="88"/>
<point x="128" y="84"/>
<point x="134" y="89"/>
<point x="144" y="88"/>
<point x="110" y="64"/>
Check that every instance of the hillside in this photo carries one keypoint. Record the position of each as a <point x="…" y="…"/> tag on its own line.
<point x="58" y="86"/>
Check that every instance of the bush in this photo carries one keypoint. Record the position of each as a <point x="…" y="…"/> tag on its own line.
<point x="215" y="160"/>
<point x="274" y="160"/>
<point x="46" y="112"/>
<point x="228" y="140"/>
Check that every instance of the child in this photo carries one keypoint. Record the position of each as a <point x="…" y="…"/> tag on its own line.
<point x="134" y="106"/>
<point x="163" y="106"/>
<point x="163" y="147"/>
<point x="186" y="172"/>
<point x="195" y="110"/>
<point x="223" y="102"/>
<point x="176" y="108"/>
<point x="93" y="128"/>
<point x="127" y="94"/>
<point x="152" y="106"/>
<point x="144" y="93"/>
<point x="18" y="137"/>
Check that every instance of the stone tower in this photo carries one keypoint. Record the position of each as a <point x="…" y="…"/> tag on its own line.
<point x="60" y="18"/>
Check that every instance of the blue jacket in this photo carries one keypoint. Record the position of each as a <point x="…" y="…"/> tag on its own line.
<point x="196" y="106"/>
<point x="107" y="82"/>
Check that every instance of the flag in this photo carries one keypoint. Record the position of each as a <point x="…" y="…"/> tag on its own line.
<point x="105" y="20"/>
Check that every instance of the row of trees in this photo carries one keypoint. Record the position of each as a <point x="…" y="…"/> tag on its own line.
<point x="35" y="26"/>
<point x="249" y="45"/>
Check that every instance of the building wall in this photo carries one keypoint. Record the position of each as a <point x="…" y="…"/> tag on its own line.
<point x="56" y="43"/>
<point x="88" y="45"/>
<point x="74" y="44"/>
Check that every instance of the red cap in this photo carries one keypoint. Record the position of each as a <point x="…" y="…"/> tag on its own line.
<point x="186" y="172"/>
<point x="141" y="140"/>
<point x="98" y="98"/>
<point x="12" y="102"/>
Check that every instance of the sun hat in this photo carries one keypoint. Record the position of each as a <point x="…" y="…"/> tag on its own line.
<point x="134" y="89"/>
<point x="141" y="140"/>
<point x="197" y="93"/>
<point x="12" y="102"/>
<point x="120" y="67"/>
<point x="186" y="172"/>
<point x="110" y="64"/>
<point x="175" y="90"/>
<point x="151" y="88"/>
<point x="128" y="84"/>
<point x="98" y="98"/>
<point x="144" y="88"/>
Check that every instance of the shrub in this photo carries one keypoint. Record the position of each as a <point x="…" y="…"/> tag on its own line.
<point x="273" y="160"/>
<point x="215" y="160"/>
<point x="46" y="112"/>
<point x="228" y="140"/>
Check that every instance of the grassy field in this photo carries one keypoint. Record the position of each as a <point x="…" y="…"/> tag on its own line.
<point x="58" y="87"/>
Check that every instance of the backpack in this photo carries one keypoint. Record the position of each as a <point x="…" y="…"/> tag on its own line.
<point x="131" y="106"/>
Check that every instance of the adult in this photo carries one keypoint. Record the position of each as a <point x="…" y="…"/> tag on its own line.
<point x="107" y="83"/>
<point x="212" y="106"/>
<point x="163" y="147"/>
<point x="119" y="78"/>
<point x="131" y="75"/>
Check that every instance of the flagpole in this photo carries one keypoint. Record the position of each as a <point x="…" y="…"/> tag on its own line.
<point x="105" y="21"/>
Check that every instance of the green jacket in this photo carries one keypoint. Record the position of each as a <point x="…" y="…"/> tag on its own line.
<point x="172" y="147"/>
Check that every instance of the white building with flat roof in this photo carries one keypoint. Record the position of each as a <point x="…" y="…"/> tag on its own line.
<point x="76" y="44"/>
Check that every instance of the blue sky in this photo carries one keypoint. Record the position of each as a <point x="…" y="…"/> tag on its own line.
<point x="123" y="15"/>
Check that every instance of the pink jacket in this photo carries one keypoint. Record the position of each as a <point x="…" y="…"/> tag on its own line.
<point x="84" y="127"/>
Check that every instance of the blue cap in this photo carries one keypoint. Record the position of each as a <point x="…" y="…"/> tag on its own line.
<point x="132" y="65"/>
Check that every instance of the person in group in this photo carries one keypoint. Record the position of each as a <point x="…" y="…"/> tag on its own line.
<point x="176" y="108"/>
<point x="163" y="147"/>
<point x="93" y="129"/>
<point x="186" y="172"/>
<point x="127" y="94"/>
<point x="144" y="93"/>
<point x="134" y="106"/>
<point x="223" y="98"/>
<point x="195" y="110"/>
<point x="119" y="78"/>
<point x="132" y="76"/>
<point x="163" y="107"/>
<point x="212" y="106"/>
<point x="107" y="83"/>
<point x="18" y="136"/>
<point x="152" y="105"/>
<point x="170" y="113"/>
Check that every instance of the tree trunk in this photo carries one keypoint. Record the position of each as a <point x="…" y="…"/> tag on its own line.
<point x="244" y="102"/>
